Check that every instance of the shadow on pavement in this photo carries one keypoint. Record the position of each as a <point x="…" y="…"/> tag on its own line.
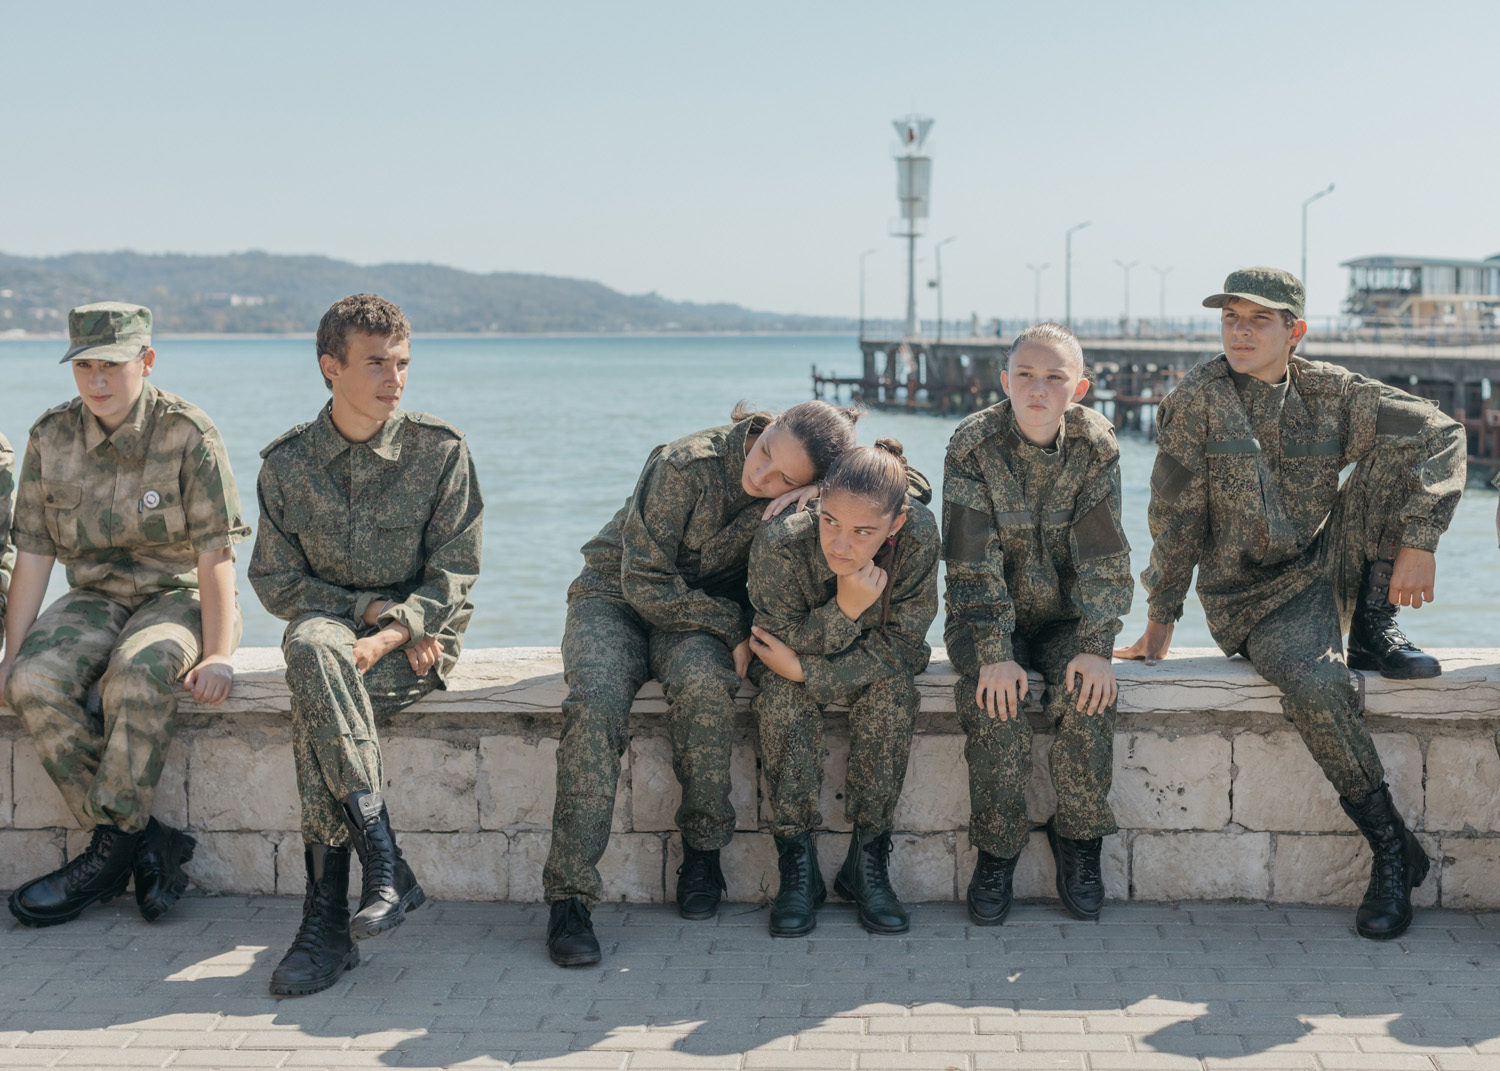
<point x="470" y="983"/>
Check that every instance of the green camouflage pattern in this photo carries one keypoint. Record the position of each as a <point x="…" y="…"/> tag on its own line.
<point x="335" y="714"/>
<point x="1298" y="648"/>
<point x="1272" y="288"/>
<point x="1247" y="473"/>
<point x="129" y="513"/>
<point x="7" y="503"/>
<point x="677" y="550"/>
<point x="609" y="650"/>
<point x="114" y="331"/>
<point x="859" y="663"/>
<point x="1032" y="537"/>
<point x="398" y="518"/>
<point x="106" y="761"/>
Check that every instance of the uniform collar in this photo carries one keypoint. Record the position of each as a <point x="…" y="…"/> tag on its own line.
<point x="130" y="436"/>
<point x="1252" y="390"/>
<point x="1029" y="449"/>
<point x="329" y="443"/>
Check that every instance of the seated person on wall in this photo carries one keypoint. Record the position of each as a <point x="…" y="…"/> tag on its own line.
<point x="662" y="594"/>
<point x="843" y="599"/>
<point x="1246" y="488"/>
<point x="369" y="543"/>
<point x="1038" y="578"/>
<point x="7" y="500"/>
<point x="129" y="487"/>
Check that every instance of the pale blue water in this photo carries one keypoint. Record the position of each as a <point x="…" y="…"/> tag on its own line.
<point x="559" y="428"/>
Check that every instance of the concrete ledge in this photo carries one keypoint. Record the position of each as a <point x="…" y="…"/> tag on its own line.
<point x="1215" y="793"/>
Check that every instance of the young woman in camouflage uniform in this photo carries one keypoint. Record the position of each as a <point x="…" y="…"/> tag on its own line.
<point x="1038" y="578"/>
<point x="130" y="488"/>
<point x="843" y="599"/>
<point x="662" y="594"/>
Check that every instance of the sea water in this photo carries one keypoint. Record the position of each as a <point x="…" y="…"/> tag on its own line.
<point x="559" y="428"/>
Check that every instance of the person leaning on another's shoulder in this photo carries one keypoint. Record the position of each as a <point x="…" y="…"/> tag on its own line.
<point x="130" y="488"/>
<point x="369" y="542"/>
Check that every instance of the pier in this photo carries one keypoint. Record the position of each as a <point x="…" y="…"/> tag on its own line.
<point x="1130" y="374"/>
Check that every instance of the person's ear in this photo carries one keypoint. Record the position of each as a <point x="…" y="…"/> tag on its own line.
<point x="1082" y="389"/>
<point x="331" y="366"/>
<point x="148" y="361"/>
<point x="1005" y="383"/>
<point x="900" y="521"/>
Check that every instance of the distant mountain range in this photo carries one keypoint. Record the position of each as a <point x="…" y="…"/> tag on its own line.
<point x="267" y="293"/>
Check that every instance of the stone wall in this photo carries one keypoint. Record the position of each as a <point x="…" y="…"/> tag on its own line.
<point x="1214" y="792"/>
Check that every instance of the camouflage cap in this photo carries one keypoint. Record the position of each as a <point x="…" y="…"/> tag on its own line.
<point x="113" y="331"/>
<point x="1271" y="287"/>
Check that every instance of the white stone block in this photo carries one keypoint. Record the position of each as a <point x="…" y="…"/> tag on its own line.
<point x="1200" y="866"/>
<point x="923" y="869"/>
<point x="1036" y="872"/>
<point x="235" y="786"/>
<point x="1471" y="878"/>
<point x="6" y="798"/>
<point x="832" y="848"/>
<point x="38" y="804"/>
<point x="517" y="784"/>
<point x="1335" y="868"/>
<point x="750" y="870"/>
<point x="169" y="803"/>
<point x="528" y="854"/>
<point x="228" y="862"/>
<point x="27" y="854"/>
<point x="634" y="869"/>
<point x="431" y="784"/>
<point x="1196" y="678"/>
<point x="935" y="797"/>
<point x="1278" y="786"/>
<point x="459" y="866"/>
<point x="1463" y="783"/>
<point x="1171" y="782"/>
<point x="744" y="785"/>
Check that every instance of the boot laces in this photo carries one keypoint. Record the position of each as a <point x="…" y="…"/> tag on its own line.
<point x="697" y="868"/>
<point x="1086" y="859"/>
<point x="877" y="860"/>
<point x="86" y="866"/>
<point x="794" y="866"/>
<point x="991" y="874"/>
<point x="312" y="935"/>
<point x="573" y="920"/>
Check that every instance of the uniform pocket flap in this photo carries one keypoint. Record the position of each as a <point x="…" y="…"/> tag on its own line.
<point x="57" y="494"/>
<point x="402" y="513"/>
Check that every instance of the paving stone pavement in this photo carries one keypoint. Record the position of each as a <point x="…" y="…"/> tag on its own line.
<point x="1201" y="986"/>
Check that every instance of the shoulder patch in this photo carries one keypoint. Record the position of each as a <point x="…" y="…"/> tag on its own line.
<point x="790" y="528"/>
<point x="699" y="446"/>
<point x="176" y="406"/>
<point x="60" y="408"/>
<point x="976" y="428"/>
<point x="1086" y="423"/>
<point x="290" y="433"/>
<point x="427" y="420"/>
<point x="1319" y="377"/>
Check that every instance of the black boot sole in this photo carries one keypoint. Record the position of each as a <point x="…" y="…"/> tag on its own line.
<point x="360" y="930"/>
<point x="1369" y="664"/>
<point x="843" y="889"/>
<point x="39" y="922"/>
<point x="1070" y="905"/>
<point x="986" y="920"/>
<point x="316" y="985"/>
<point x="180" y="848"/>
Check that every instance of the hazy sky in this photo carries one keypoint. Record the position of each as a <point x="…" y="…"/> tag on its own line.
<point x="743" y="152"/>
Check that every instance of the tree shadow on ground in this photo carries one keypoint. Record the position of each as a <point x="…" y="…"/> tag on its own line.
<point x="470" y="985"/>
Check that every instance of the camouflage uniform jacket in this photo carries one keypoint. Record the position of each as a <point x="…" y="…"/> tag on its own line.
<point x="396" y="518"/>
<point x="1033" y="536"/>
<point x="128" y="513"/>
<point x="677" y="550"/>
<point x="7" y="496"/>
<point x="1246" y="473"/>
<point x="795" y="596"/>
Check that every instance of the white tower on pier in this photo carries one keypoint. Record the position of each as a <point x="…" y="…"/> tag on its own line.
<point x="913" y="188"/>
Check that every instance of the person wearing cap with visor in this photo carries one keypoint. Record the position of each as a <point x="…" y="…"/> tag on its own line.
<point x="130" y="488"/>
<point x="1246" y="488"/>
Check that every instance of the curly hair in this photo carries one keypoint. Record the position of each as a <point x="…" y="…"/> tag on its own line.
<point x="369" y="313"/>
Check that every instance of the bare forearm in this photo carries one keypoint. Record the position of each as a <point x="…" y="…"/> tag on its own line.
<point x="216" y="599"/>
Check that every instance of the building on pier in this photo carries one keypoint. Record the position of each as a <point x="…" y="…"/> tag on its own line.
<point x="1424" y="292"/>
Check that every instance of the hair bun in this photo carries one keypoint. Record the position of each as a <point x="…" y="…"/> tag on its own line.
<point x="891" y="446"/>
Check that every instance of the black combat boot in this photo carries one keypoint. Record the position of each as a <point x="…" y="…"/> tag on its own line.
<point x="159" y="877"/>
<point x="865" y="878"/>
<point x="1079" y="882"/>
<point x="700" y="883"/>
<point x="570" y="935"/>
<point x="1375" y="642"/>
<point x="795" y="909"/>
<point x="322" y="949"/>
<point x="1400" y="865"/>
<point x="389" y="889"/>
<point x="99" y="873"/>
<point x="990" y="889"/>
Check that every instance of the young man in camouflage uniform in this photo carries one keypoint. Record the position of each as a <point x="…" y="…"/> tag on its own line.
<point x="1246" y="488"/>
<point x="369" y="542"/>
<point x="129" y="487"/>
<point x="1038" y="577"/>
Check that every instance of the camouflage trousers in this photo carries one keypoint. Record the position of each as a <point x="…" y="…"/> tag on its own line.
<point x="608" y="652"/>
<point x="1298" y="647"/>
<point x="999" y="752"/>
<point x="335" y="709"/>
<point x="106" y="760"/>
<point x="882" y="716"/>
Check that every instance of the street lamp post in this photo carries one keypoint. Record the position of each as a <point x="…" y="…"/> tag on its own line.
<point x="1125" y="320"/>
<point x="937" y="253"/>
<point x="862" y="257"/>
<point x="1161" y="315"/>
<point x="1036" y="291"/>
<point x="1068" y="274"/>
<point x="1310" y="200"/>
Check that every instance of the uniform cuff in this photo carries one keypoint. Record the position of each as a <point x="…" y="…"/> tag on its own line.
<point x="362" y="603"/>
<point x="1420" y="535"/>
<point x="1163" y="615"/>
<point x="838" y="631"/>
<point x="33" y="544"/>
<point x="402" y="614"/>
<point x="1097" y="643"/>
<point x="819" y="679"/>
<point x="995" y="648"/>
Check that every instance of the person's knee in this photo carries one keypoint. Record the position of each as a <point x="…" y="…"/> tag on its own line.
<point x="896" y="692"/>
<point x="702" y="681"/>
<point x="310" y="656"/>
<point x="1320" y="685"/>
<point x="140" y="679"/>
<point x="28" y="678"/>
